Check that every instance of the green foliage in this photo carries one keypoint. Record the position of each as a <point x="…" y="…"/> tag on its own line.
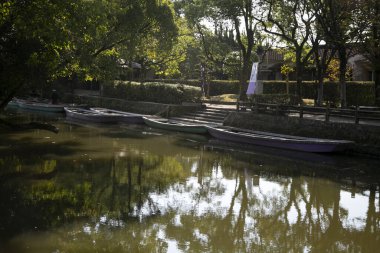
<point x="153" y="92"/>
<point x="358" y="93"/>
<point x="333" y="72"/>
<point x="217" y="87"/>
<point x="286" y="70"/>
<point x="43" y="40"/>
<point x="361" y="93"/>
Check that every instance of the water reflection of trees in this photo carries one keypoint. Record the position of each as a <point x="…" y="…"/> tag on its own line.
<point x="263" y="222"/>
<point x="45" y="193"/>
<point x="119" y="198"/>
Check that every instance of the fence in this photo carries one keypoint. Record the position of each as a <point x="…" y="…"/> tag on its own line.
<point x="355" y="113"/>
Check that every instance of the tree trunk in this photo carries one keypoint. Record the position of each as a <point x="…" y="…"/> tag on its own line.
<point x="320" y="90"/>
<point x="319" y="77"/>
<point x="342" y="75"/>
<point x="299" y="70"/>
<point x="10" y="95"/>
<point x="377" y="85"/>
<point x="243" y="79"/>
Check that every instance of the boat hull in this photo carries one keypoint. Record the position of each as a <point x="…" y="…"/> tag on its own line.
<point x="42" y="107"/>
<point x="37" y="106"/>
<point x="123" y="117"/>
<point x="282" y="142"/>
<point x="195" y="129"/>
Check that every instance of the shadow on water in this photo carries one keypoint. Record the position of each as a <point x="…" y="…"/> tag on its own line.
<point x="339" y="167"/>
<point x="28" y="148"/>
<point x="33" y="115"/>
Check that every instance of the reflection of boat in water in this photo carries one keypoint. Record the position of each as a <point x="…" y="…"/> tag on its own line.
<point x="262" y="152"/>
<point x="37" y="105"/>
<point x="78" y="113"/>
<point x="36" y="115"/>
<point x="281" y="141"/>
<point x="124" y="117"/>
<point x="166" y="124"/>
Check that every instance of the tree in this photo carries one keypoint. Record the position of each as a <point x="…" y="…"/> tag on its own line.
<point x="286" y="70"/>
<point x="235" y="17"/>
<point x="322" y="58"/>
<point x="369" y="16"/>
<point x="336" y="19"/>
<point x="45" y="39"/>
<point x="293" y="22"/>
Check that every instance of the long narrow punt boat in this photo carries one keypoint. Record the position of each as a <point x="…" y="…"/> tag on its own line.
<point x="82" y="114"/>
<point x="174" y="126"/>
<point x="37" y="105"/>
<point x="15" y="102"/>
<point x="124" y="117"/>
<point x="279" y="140"/>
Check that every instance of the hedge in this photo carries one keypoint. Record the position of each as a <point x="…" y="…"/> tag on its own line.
<point x="358" y="92"/>
<point x="217" y="87"/>
<point x="152" y="92"/>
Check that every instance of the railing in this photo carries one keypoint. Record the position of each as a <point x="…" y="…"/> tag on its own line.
<point x="355" y="113"/>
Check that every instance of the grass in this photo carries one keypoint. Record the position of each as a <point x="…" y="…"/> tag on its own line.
<point x="309" y="102"/>
<point x="224" y="98"/>
<point x="233" y="97"/>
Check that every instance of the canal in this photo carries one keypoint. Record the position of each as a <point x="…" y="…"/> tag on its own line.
<point x="130" y="188"/>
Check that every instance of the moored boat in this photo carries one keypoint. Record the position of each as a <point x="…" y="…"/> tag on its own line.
<point x="36" y="105"/>
<point x="42" y="106"/>
<point x="279" y="140"/>
<point x="124" y="117"/>
<point x="174" y="126"/>
<point x="15" y="102"/>
<point x="82" y="114"/>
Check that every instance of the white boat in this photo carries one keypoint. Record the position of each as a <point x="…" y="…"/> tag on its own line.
<point x="37" y="105"/>
<point x="90" y="115"/>
<point x="124" y="117"/>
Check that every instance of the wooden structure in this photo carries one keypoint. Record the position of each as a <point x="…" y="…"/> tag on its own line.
<point x="356" y="114"/>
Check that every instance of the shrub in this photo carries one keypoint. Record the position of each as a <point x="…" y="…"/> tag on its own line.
<point x="152" y="92"/>
<point x="358" y="93"/>
<point x="217" y="87"/>
<point x="361" y="93"/>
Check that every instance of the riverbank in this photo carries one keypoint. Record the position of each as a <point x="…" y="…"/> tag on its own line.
<point x="366" y="137"/>
<point x="151" y="108"/>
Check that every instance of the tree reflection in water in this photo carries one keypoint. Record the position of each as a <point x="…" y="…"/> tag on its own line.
<point x="139" y="198"/>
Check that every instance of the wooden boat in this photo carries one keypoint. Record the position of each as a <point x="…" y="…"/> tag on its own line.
<point x="174" y="126"/>
<point x="279" y="140"/>
<point x="37" y="105"/>
<point x="124" y="117"/>
<point x="15" y="102"/>
<point x="83" y="114"/>
<point x="42" y="107"/>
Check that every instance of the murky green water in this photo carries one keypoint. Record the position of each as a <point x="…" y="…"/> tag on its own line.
<point x="136" y="189"/>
